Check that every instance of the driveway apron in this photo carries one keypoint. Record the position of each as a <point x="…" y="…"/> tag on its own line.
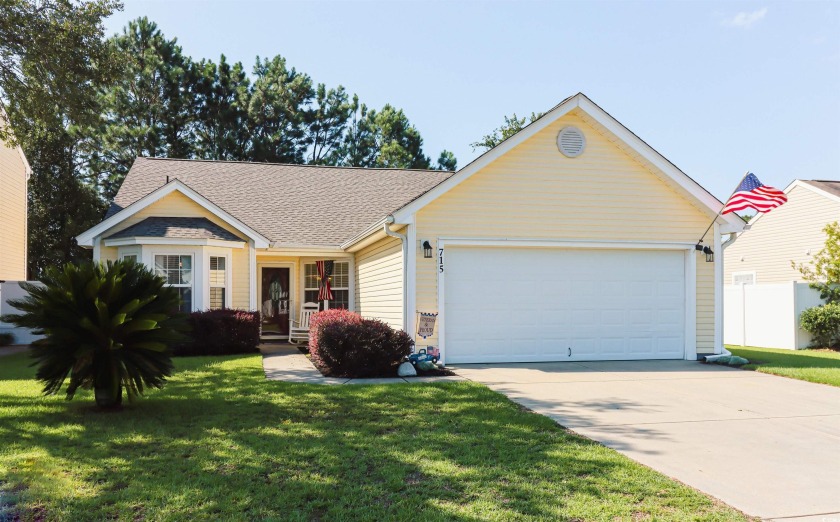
<point x="767" y="445"/>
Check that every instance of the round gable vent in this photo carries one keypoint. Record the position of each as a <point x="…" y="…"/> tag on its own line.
<point x="571" y="142"/>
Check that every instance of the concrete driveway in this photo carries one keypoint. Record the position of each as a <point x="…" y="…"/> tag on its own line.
<point x="769" y="446"/>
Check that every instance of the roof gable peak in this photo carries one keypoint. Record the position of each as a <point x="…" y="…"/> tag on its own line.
<point x="175" y="185"/>
<point x="580" y="102"/>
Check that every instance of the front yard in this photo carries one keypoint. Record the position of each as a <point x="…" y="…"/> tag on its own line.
<point x="221" y="442"/>
<point x="821" y="366"/>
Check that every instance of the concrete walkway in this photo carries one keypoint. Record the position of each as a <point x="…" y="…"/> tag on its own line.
<point x="767" y="445"/>
<point x="283" y="362"/>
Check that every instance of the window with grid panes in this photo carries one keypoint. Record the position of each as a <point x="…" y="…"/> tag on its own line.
<point x="339" y="282"/>
<point x="218" y="281"/>
<point x="176" y="270"/>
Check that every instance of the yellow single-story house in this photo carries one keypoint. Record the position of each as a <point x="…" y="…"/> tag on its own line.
<point x="572" y="240"/>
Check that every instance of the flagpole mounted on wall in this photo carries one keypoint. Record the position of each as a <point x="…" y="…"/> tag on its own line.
<point x="749" y="193"/>
<point x="710" y="254"/>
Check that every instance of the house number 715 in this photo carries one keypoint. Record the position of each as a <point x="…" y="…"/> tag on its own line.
<point x="440" y="260"/>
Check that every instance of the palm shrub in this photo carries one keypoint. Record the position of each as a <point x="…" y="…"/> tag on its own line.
<point x="108" y="327"/>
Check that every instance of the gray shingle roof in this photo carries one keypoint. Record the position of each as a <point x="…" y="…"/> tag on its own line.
<point x="289" y="204"/>
<point x="830" y="186"/>
<point x="176" y="227"/>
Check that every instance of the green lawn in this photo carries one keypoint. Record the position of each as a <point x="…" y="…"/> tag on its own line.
<point x="820" y="366"/>
<point x="222" y="443"/>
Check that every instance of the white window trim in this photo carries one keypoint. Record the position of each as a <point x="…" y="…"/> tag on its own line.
<point x="196" y="269"/>
<point x="349" y="288"/>
<point x="690" y="350"/>
<point x="122" y="252"/>
<point x="744" y="272"/>
<point x="228" y="278"/>
<point x="142" y="240"/>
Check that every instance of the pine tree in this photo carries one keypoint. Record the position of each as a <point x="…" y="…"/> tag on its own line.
<point x="221" y="127"/>
<point x="276" y="112"/>
<point x="327" y="120"/>
<point x="149" y="110"/>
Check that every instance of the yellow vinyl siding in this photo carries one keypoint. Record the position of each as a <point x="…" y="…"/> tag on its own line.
<point x="240" y="278"/>
<point x="534" y="192"/>
<point x="786" y="234"/>
<point x="12" y="215"/>
<point x="379" y="281"/>
<point x="705" y="305"/>
<point x="108" y="253"/>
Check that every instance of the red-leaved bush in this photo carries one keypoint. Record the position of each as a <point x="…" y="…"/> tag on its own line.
<point x="342" y="343"/>
<point x="220" y="332"/>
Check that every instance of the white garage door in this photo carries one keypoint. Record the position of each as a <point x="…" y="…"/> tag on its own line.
<point x="530" y="304"/>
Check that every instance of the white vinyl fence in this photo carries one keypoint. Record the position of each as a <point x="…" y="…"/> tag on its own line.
<point x="11" y="290"/>
<point x="767" y="316"/>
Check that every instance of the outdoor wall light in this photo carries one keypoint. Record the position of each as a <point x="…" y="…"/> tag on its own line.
<point x="710" y="255"/>
<point x="427" y="250"/>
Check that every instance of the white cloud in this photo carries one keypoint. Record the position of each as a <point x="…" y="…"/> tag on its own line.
<point x="745" y="19"/>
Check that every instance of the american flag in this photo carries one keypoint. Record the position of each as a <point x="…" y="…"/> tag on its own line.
<point x="752" y="194"/>
<point x="325" y="269"/>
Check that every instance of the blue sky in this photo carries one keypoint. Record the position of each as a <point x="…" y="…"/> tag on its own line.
<point x="717" y="87"/>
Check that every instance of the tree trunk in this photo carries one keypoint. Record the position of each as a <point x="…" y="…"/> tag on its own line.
<point x="108" y="397"/>
<point x="107" y="388"/>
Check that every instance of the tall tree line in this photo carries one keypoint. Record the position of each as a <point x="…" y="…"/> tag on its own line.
<point x="164" y="104"/>
<point x="84" y="106"/>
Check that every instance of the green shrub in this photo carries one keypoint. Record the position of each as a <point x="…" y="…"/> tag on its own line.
<point x="6" y="338"/>
<point x="107" y="327"/>
<point x="823" y="323"/>
<point x="221" y="332"/>
<point x="343" y="344"/>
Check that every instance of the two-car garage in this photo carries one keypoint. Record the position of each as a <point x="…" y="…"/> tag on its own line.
<point x="530" y="304"/>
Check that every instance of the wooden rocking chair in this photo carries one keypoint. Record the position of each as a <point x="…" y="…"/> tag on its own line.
<point x="299" y="330"/>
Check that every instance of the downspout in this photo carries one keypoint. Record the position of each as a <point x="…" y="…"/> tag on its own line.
<point x="404" y="239"/>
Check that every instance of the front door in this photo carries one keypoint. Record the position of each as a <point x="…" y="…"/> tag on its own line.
<point x="274" y="301"/>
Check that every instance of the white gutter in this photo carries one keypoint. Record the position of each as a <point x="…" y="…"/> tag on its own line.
<point x="404" y="239"/>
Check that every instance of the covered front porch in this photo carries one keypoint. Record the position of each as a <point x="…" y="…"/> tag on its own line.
<point x="285" y="281"/>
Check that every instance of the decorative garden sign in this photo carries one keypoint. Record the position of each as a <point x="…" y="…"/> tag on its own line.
<point x="426" y="324"/>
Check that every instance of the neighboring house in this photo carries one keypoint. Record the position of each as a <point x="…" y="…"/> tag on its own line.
<point x="764" y="293"/>
<point x="572" y="240"/>
<point x="14" y="176"/>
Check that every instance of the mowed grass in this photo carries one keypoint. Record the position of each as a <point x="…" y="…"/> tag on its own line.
<point x="222" y="443"/>
<point x="821" y="366"/>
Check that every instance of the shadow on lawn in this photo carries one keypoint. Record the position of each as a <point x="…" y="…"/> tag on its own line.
<point x="221" y="442"/>
<point x="585" y="414"/>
